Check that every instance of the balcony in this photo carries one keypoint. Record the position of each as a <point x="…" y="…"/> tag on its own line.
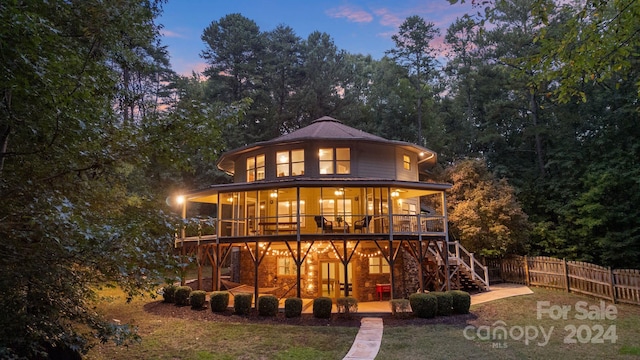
<point x="313" y="227"/>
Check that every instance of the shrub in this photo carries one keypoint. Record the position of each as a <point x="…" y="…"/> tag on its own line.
<point x="197" y="299"/>
<point x="445" y="302"/>
<point x="242" y="303"/>
<point x="400" y="307"/>
<point x="219" y="301"/>
<point x="461" y="301"/>
<point x="169" y="293"/>
<point x="322" y="308"/>
<point x="293" y="307"/>
<point x="182" y="295"/>
<point x="347" y="305"/>
<point x="267" y="305"/>
<point x="423" y="305"/>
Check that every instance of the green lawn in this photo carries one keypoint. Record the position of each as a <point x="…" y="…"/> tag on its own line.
<point x="173" y="338"/>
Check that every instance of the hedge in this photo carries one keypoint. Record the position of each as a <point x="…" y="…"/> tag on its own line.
<point x="293" y="307"/>
<point x="322" y="307"/>
<point x="461" y="301"/>
<point x="423" y="305"/>
<point x="268" y="305"/>
<point x="169" y="293"/>
<point x="219" y="301"/>
<point x="182" y="295"/>
<point x="242" y="303"/>
<point x="197" y="299"/>
<point x="445" y="302"/>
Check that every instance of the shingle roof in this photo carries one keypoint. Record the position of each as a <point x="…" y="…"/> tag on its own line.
<point x="327" y="128"/>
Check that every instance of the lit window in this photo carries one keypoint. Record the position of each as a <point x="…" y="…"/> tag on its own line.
<point x="286" y="266"/>
<point x="377" y="265"/>
<point x="407" y="162"/>
<point x="290" y="162"/>
<point x="255" y="168"/>
<point x="335" y="161"/>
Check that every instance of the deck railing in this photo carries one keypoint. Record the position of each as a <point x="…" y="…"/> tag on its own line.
<point x="404" y="224"/>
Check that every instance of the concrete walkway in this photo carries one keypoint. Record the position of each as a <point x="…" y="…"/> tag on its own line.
<point x="367" y="342"/>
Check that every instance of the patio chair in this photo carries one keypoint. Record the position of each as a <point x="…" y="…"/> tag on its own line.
<point x="362" y="224"/>
<point x="323" y="224"/>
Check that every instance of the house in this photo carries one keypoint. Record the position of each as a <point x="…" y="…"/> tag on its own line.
<point x="328" y="210"/>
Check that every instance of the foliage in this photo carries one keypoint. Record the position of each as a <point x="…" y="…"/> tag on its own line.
<point x="268" y="305"/>
<point x="292" y="307"/>
<point x="242" y="303"/>
<point x="483" y="212"/>
<point x="219" y="301"/>
<point x="423" y="305"/>
<point x="182" y="295"/>
<point x="400" y="307"/>
<point x="347" y="305"/>
<point x="197" y="299"/>
<point x="445" y="302"/>
<point x="461" y="301"/>
<point x="169" y="293"/>
<point x="322" y="307"/>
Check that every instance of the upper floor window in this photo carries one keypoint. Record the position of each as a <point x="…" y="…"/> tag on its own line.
<point x="255" y="168"/>
<point x="335" y="161"/>
<point x="290" y="163"/>
<point x="407" y="162"/>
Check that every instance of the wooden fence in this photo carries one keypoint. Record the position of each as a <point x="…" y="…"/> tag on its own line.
<point x="620" y="285"/>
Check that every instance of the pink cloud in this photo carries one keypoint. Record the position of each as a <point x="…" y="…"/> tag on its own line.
<point x="352" y="14"/>
<point x="387" y="18"/>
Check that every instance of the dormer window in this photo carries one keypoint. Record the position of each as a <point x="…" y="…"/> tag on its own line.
<point x="290" y="163"/>
<point x="255" y="168"/>
<point x="334" y="161"/>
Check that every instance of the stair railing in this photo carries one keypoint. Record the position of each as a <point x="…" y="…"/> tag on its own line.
<point x="479" y="272"/>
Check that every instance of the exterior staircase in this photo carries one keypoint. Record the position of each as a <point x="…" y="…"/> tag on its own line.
<point x="465" y="272"/>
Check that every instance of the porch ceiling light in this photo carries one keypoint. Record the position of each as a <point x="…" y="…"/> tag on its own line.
<point x="395" y="193"/>
<point x="274" y="194"/>
<point x="339" y="192"/>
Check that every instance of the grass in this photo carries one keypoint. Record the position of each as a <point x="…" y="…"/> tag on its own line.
<point x="441" y="341"/>
<point x="173" y="338"/>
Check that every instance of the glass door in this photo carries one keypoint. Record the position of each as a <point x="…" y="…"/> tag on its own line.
<point x="332" y="279"/>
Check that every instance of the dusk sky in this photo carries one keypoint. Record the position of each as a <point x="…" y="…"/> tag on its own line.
<point x="357" y="26"/>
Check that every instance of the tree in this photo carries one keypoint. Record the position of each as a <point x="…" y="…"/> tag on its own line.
<point x="414" y="51"/>
<point x="483" y="211"/>
<point x="283" y="78"/>
<point x="323" y="70"/>
<point x="82" y="205"/>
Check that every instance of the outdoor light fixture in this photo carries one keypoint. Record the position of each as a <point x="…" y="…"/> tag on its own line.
<point x="274" y="194"/>
<point x="395" y="193"/>
<point x="180" y="199"/>
<point x="339" y="192"/>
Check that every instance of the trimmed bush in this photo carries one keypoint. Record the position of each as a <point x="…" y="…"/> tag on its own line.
<point x="293" y="307"/>
<point x="445" y="302"/>
<point x="197" y="299"/>
<point x="169" y="293"/>
<point x="347" y="305"/>
<point x="423" y="305"/>
<point x="182" y="295"/>
<point x="461" y="301"/>
<point x="219" y="301"/>
<point x="322" y="308"/>
<point x="400" y="307"/>
<point x="242" y="303"/>
<point x="268" y="305"/>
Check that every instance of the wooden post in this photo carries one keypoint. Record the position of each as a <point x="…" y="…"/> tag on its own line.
<point x="526" y="271"/>
<point x="612" y="284"/>
<point x="472" y="263"/>
<point x="565" y="266"/>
